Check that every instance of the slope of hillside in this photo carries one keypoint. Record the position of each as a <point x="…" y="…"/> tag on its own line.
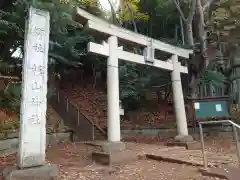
<point x="92" y="102"/>
<point x="54" y="121"/>
<point x="82" y="99"/>
<point x="10" y="122"/>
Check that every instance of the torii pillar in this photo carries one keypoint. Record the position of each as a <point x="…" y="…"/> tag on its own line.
<point x="179" y="105"/>
<point x="113" y="122"/>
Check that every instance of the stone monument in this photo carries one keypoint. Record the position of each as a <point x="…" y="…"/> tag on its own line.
<point x="31" y="154"/>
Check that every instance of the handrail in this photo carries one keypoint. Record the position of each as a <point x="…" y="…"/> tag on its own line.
<point x="68" y="101"/>
<point x="235" y="134"/>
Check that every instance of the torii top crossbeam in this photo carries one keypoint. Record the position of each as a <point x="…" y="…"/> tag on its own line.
<point x="106" y="29"/>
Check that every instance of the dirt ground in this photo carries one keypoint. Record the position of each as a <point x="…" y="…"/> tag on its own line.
<point x="73" y="158"/>
<point x="141" y="170"/>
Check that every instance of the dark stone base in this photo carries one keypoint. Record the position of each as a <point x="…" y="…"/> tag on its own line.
<point x="109" y="159"/>
<point x="111" y="152"/>
<point x="109" y="147"/>
<point x="180" y="138"/>
<point x="194" y="145"/>
<point x="101" y="158"/>
<point x="185" y="141"/>
<point x="46" y="172"/>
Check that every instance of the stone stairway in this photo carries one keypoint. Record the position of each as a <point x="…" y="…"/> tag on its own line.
<point x="78" y="118"/>
<point x="92" y="102"/>
<point x="82" y="98"/>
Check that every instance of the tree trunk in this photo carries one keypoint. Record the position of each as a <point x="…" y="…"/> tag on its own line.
<point x="202" y="59"/>
<point x="182" y="31"/>
<point x="193" y="85"/>
<point x="202" y="34"/>
<point x="194" y="79"/>
<point x="189" y="34"/>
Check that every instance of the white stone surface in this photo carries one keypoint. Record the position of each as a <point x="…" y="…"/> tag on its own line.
<point x="113" y="53"/>
<point x="149" y="54"/>
<point x="121" y="110"/>
<point x="34" y="90"/>
<point x="103" y="27"/>
<point x="178" y="99"/>
<point x="114" y="134"/>
<point x="128" y="56"/>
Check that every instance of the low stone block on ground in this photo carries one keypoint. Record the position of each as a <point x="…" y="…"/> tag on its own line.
<point x="193" y="145"/>
<point x="46" y="172"/>
<point x="109" y="159"/>
<point x="10" y="145"/>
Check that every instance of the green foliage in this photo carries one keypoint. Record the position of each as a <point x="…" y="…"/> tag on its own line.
<point x="214" y="77"/>
<point x="10" y="98"/>
<point x="130" y="11"/>
<point x="68" y="40"/>
<point x="8" y="126"/>
<point x="136" y="80"/>
<point x="67" y="45"/>
<point x="166" y="9"/>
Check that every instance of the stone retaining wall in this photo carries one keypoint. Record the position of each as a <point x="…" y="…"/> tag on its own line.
<point x="10" y="145"/>
<point x="220" y="130"/>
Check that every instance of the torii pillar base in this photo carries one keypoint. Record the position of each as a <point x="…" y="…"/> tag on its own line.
<point x="185" y="141"/>
<point x="110" y="147"/>
<point x="110" y="153"/>
<point x="183" y="138"/>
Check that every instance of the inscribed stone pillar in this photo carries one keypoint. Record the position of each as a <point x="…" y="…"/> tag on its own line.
<point x="178" y="99"/>
<point x="34" y="90"/>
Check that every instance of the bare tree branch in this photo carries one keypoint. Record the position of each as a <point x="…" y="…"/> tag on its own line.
<point x="179" y="10"/>
<point x="114" y="16"/>
<point x="200" y="12"/>
<point x="133" y="21"/>
<point x="191" y="13"/>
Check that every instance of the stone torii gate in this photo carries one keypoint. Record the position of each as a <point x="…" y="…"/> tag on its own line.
<point x="113" y="33"/>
